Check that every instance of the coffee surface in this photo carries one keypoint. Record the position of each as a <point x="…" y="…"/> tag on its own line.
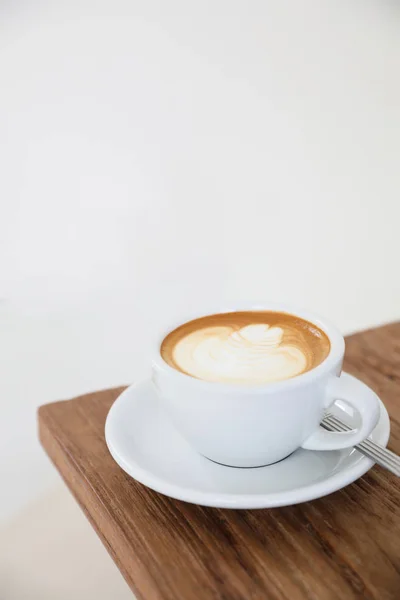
<point x="250" y="347"/>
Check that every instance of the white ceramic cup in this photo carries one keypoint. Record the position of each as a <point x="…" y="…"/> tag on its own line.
<point x="251" y="426"/>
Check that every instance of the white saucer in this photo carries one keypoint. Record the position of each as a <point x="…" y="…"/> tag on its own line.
<point x="145" y="444"/>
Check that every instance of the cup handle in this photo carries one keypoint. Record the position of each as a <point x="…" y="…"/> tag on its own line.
<point x="358" y="395"/>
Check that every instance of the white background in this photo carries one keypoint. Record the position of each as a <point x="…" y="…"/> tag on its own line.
<point x="157" y="154"/>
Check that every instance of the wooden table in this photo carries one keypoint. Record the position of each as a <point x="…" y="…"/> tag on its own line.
<point x="341" y="547"/>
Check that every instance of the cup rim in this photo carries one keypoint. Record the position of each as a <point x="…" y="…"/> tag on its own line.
<point x="334" y="357"/>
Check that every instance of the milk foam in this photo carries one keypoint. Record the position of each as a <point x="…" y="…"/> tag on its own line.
<point x="253" y="354"/>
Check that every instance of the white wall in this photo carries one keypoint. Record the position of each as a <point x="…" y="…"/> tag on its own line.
<point x="154" y="154"/>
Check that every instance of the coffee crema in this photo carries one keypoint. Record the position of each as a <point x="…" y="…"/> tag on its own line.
<point x="248" y="347"/>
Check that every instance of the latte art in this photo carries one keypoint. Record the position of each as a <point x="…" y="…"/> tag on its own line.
<point x="243" y="348"/>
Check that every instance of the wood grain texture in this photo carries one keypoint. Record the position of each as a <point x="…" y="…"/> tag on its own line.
<point x="345" y="546"/>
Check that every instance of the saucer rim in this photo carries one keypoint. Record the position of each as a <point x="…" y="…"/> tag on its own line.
<point x="335" y="482"/>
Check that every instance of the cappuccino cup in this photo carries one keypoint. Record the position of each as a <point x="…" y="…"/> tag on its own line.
<point x="248" y="385"/>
